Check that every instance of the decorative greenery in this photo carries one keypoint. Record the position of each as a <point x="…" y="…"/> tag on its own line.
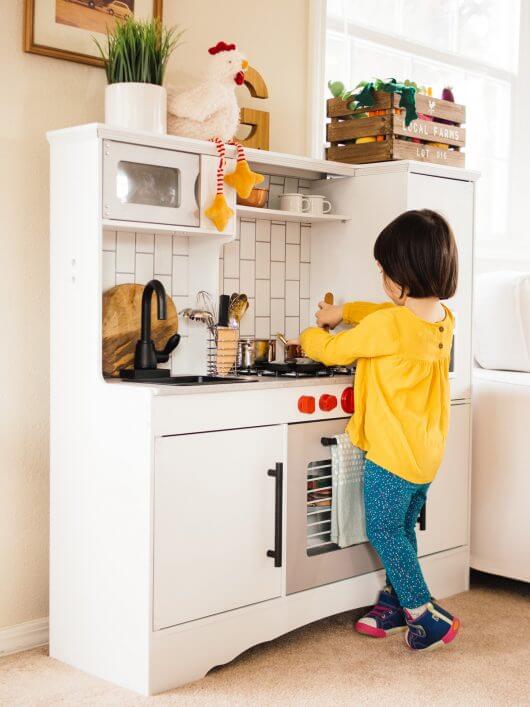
<point x="362" y="96"/>
<point x="138" y="51"/>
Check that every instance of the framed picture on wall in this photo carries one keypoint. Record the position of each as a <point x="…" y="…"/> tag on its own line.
<point x="65" y="29"/>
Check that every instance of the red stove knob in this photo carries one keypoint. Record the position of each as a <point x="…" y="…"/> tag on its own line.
<point x="306" y="404"/>
<point x="346" y="400"/>
<point x="327" y="402"/>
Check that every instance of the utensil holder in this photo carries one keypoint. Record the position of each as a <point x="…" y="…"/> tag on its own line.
<point x="222" y="351"/>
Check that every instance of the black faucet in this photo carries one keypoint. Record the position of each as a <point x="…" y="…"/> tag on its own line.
<point x="146" y="357"/>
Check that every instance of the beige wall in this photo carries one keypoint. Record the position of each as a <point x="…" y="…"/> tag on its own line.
<point x="41" y="94"/>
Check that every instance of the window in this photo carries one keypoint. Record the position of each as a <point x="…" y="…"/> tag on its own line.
<point x="470" y="45"/>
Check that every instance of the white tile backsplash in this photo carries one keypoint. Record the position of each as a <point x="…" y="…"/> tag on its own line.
<point x="263" y="298"/>
<point x="278" y="241"/>
<point x="267" y="265"/>
<point x="108" y="269"/>
<point x="181" y="303"/>
<point x="263" y="260"/>
<point x="292" y="327"/>
<point x="292" y="298"/>
<point x="180" y="245"/>
<point x="145" y="242"/>
<point x="277" y="279"/>
<point x="144" y="268"/>
<point x="180" y="275"/>
<point x="293" y="232"/>
<point x="247" y="326"/>
<point x="247" y="237"/>
<point x="166" y="281"/>
<point x="275" y="191"/>
<point x="304" y="280"/>
<point x="306" y="318"/>
<point x="109" y="240"/>
<point x="247" y="277"/>
<point x="163" y="254"/>
<point x="269" y="262"/>
<point x="231" y="285"/>
<point x="290" y="185"/>
<point x="263" y="230"/>
<point x="125" y="251"/>
<point x="231" y="260"/>
<point x="263" y="327"/>
<point x="305" y="244"/>
<point x="277" y="315"/>
<point x="292" y="262"/>
<point x="124" y="278"/>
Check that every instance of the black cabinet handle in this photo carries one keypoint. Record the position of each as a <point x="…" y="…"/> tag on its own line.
<point x="277" y="472"/>
<point x="422" y="520"/>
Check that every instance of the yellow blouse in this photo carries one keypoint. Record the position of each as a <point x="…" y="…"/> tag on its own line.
<point x="402" y="396"/>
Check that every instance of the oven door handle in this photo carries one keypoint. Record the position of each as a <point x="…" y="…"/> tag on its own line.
<point x="277" y="472"/>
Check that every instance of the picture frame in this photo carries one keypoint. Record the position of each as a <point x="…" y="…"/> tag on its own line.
<point x="40" y="15"/>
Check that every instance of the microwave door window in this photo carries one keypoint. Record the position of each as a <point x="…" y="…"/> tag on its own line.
<point x="148" y="184"/>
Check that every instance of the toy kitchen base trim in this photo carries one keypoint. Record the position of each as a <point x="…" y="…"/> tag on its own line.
<point x="165" y="532"/>
<point x="219" y="639"/>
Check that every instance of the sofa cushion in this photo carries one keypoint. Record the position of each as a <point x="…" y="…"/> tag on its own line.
<point x="502" y="321"/>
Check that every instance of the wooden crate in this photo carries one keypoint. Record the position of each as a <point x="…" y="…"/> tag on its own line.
<point x="342" y="131"/>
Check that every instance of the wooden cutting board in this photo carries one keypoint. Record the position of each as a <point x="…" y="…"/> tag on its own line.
<point x="122" y="307"/>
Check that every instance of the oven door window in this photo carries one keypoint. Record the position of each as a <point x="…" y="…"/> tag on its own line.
<point x="148" y="184"/>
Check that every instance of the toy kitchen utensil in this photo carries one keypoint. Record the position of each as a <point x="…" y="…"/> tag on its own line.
<point x="226" y="339"/>
<point x="291" y="351"/>
<point x="236" y="309"/>
<point x="257" y="198"/>
<point x="328" y="299"/>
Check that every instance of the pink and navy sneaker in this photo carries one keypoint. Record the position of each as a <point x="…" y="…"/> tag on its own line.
<point x="386" y="617"/>
<point x="433" y="629"/>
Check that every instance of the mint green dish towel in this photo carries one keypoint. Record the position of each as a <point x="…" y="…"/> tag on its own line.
<point x="348" y="526"/>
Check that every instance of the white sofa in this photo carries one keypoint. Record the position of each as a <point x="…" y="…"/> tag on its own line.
<point x="500" y="511"/>
<point x="500" y="497"/>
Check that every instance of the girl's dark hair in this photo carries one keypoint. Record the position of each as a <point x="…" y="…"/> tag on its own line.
<point x="418" y="252"/>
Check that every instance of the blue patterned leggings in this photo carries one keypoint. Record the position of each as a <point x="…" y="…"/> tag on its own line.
<point x="392" y="507"/>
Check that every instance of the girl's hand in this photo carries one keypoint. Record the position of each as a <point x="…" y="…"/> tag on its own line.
<point x="329" y="315"/>
<point x="293" y="342"/>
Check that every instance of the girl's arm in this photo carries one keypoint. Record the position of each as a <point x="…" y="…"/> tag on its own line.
<point x="375" y="336"/>
<point x="354" y="312"/>
<point x="331" y="315"/>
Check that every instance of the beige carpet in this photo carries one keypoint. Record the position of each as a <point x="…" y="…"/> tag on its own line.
<point x="328" y="664"/>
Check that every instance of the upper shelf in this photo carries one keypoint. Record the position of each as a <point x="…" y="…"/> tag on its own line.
<point x="279" y="215"/>
<point x="274" y="162"/>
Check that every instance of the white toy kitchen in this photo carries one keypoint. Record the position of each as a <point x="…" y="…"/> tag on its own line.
<point x="184" y="527"/>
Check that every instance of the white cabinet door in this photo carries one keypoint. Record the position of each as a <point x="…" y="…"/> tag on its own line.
<point x="447" y="509"/>
<point x="454" y="199"/>
<point x="214" y="521"/>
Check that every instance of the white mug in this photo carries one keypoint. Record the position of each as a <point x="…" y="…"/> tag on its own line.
<point x="318" y="205"/>
<point x="294" y="202"/>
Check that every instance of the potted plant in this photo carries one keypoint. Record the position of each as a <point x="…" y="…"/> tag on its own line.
<point x="135" y="60"/>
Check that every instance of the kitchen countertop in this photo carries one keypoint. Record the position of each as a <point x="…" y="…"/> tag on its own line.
<point x="251" y="383"/>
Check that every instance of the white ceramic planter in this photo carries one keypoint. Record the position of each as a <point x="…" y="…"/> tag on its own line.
<point x="136" y="106"/>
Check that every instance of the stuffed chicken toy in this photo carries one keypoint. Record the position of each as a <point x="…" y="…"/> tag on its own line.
<point x="209" y="111"/>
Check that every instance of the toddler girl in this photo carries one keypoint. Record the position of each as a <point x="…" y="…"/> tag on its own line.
<point x="402" y="407"/>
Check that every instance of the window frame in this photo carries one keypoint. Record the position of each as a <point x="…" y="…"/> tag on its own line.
<point x="320" y="24"/>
